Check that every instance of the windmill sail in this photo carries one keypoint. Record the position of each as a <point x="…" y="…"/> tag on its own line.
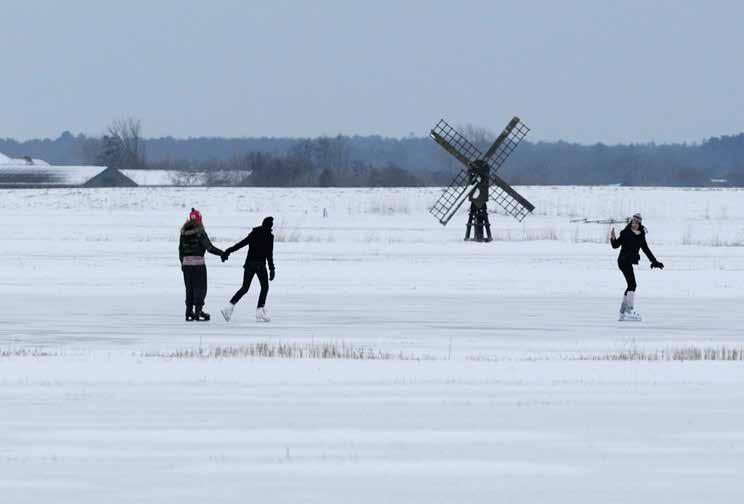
<point x="507" y="198"/>
<point x="506" y="142"/>
<point x="499" y="191"/>
<point x="454" y="143"/>
<point x="457" y="193"/>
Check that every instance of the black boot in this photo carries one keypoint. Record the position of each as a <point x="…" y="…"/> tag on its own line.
<point x="190" y="317"/>
<point x="201" y="315"/>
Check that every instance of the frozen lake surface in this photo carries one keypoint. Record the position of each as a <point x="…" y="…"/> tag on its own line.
<point x="509" y="387"/>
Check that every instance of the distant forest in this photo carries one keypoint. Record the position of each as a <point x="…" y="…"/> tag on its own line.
<point x="375" y="161"/>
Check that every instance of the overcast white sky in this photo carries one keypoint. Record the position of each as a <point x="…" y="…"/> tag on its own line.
<point x="583" y="71"/>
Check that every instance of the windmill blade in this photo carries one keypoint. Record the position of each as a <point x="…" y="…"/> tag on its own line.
<point x="505" y="144"/>
<point x="454" y="143"/>
<point x="507" y="198"/>
<point x="453" y="197"/>
<point x="461" y="186"/>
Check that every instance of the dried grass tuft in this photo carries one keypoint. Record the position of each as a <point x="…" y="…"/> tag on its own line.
<point x="268" y="350"/>
<point x="26" y="352"/>
<point x="721" y="353"/>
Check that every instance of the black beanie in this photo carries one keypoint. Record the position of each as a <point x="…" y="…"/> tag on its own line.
<point x="268" y="222"/>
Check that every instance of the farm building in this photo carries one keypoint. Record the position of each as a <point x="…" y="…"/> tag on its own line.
<point x="31" y="173"/>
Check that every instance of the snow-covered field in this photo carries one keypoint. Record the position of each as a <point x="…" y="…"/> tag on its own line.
<point x="500" y="373"/>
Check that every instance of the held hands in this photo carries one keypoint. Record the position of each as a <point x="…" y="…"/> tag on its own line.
<point x="225" y="255"/>
<point x="657" y="264"/>
<point x="272" y="274"/>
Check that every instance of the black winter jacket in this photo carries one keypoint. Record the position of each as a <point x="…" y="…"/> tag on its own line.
<point x="261" y="246"/>
<point x="630" y="243"/>
<point x="194" y="241"/>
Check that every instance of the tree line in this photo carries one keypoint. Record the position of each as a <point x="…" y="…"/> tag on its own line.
<point x="377" y="161"/>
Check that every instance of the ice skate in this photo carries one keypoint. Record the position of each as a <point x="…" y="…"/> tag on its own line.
<point x="630" y="316"/>
<point x="627" y="311"/>
<point x="227" y="311"/>
<point x="201" y="315"/>
<point x="261" y="315"/>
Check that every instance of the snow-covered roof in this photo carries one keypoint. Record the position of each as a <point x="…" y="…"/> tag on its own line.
<point x="7" y="160"/>
<point x="34" y="175"/>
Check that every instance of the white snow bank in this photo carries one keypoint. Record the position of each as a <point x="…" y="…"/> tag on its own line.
<point x="165" y="177"/>
<point x="368" y="432"/>
<point x="177" y="178"/>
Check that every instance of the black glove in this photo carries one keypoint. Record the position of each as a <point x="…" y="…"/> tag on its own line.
<point x="657" y="264"/>
<point x="272" y="274"/>
<point x="224" y="256"/>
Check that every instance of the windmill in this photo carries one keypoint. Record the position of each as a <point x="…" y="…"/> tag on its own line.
<point x="477" y="181"/>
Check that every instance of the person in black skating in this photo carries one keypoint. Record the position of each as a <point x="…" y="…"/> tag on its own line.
<point x="193" y="244"/>
<point x="631" y="240"/>
<point x="260" y="243"/>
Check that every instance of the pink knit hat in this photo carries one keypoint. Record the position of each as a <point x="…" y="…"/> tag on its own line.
<point x="195" y="215"/>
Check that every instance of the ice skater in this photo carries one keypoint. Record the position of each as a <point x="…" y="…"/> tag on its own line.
<point x="260" y="243"/>
<point x="193" y="244"/>
<point x="631" y="240"/>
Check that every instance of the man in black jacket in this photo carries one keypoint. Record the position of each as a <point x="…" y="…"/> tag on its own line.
<point x="260" y="243"/>
<point x="192" y="245"/>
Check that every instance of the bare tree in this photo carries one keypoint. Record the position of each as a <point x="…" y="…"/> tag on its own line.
<point x="479" y="136"/>
<point x="122" y="145"/>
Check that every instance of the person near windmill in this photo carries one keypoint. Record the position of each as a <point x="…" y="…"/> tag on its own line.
<point x="632" y="239"/>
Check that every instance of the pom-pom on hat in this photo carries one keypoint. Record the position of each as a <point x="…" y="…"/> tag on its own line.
<point x="195" y="215"/>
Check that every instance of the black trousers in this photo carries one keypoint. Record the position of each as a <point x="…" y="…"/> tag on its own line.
<point x="249" y="270"/>
<point x="627" y="269"/>
<point x="195" y="280"/>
